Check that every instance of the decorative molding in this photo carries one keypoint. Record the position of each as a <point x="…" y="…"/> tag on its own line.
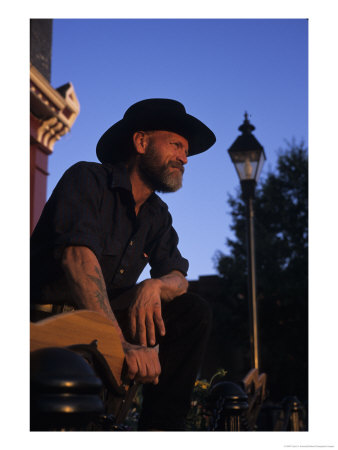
<point x="50" y="131"/>
<point x="56" y="110"/>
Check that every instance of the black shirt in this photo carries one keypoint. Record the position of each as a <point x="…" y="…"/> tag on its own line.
<point x="93" y="206"/>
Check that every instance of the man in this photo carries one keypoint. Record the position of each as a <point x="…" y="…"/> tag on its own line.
<point x="103" y="224"/>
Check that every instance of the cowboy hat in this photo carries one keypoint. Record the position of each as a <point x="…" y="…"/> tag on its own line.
<point x="149" y="115"/>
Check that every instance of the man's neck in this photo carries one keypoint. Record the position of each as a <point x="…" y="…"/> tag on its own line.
<point x="141" y="192"/>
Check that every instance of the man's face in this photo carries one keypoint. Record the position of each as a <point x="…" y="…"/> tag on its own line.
<point x="161" y="166"/>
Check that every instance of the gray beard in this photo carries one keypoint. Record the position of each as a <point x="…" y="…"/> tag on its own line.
<point x="159" y="177"/>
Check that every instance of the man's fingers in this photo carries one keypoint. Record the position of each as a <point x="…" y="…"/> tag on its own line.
<point x="157" y="367"/>
<point x="153" y="366"/>
<point x="132" y="366"/>
<point x="137" y="367"/>
<point x="142" y="330"/>
<point x="132" y="322"/>
<point x="143" y="364"/>
<point x="137" y="325"/>
<point x="159" y="321"/>
<point x="142" y="368"/>
<point x="144" y="318"/>
<point x="150" y="329"/>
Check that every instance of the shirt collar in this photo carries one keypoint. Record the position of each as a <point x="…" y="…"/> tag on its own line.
<point x="120" y="179"/>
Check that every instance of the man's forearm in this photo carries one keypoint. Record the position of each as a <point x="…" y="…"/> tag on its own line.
<point x="173" y="285"/>
<point x="86" y="282"/>
<point x="89" y="292"/>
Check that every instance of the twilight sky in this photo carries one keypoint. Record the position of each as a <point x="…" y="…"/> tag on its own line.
<point x="218" y="68"/>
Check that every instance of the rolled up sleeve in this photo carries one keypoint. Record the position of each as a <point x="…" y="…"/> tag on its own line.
<point x="74" y="209"/>
<point x="165" y="256"/>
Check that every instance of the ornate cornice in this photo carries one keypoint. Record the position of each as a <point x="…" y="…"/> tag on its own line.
<point x="55" y="109"/>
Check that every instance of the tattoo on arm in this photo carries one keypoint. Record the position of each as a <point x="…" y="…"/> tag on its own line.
<point x="101" y="293"/>
<point x="176" y="284"/>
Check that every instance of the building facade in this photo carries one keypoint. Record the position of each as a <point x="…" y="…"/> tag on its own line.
<point x="52" y="113"/>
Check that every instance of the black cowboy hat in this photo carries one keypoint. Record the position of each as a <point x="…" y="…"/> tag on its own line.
<point x="154" y="114"/>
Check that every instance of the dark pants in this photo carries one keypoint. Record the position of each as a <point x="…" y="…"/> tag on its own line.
<point x="165" y="406"/>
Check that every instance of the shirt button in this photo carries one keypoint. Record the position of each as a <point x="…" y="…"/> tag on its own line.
<point x="121" y="271"/>
<point x="131" y="243"/>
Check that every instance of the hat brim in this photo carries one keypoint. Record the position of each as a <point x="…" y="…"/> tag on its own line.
<point x="110" y="146"/>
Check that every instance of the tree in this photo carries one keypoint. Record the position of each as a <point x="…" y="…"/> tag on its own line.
<point x="281" y="240"/>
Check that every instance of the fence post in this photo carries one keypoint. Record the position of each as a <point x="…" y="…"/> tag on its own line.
<point x="65" y="392"/>
<point x="227" y="401"/>
<point x="292" y="406"/>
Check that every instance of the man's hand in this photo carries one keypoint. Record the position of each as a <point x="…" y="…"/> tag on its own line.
<point x="145" y="312"/>
<point x="143" y="363"/>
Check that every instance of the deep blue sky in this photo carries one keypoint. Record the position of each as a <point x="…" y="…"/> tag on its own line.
<point x="236" y="65"/>
<point x="218" y="68"/>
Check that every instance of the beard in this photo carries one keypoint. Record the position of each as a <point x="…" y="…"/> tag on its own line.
<point x="158" y="176"/>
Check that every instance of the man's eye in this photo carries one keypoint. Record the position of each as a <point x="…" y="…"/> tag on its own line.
<point x="179" y="145"/>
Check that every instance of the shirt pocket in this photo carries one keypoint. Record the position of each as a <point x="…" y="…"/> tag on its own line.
<point x="111" y="255"/>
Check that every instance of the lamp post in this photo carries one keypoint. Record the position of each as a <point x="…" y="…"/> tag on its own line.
<point x="248" y="156"/>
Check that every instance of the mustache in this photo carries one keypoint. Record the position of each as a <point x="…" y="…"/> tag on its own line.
<point x="177" y="165"/>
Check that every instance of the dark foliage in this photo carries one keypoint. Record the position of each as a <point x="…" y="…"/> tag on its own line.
<point x="281" y="236"/>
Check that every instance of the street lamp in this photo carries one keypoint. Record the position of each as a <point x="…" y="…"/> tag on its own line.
<point x="248" y="156"/>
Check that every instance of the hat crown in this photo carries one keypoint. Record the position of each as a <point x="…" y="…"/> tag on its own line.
<point x="155" y="106"/>
<point x="148" y="115"/>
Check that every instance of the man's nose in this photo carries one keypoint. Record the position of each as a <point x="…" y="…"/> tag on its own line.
<point x="182" y="157"/>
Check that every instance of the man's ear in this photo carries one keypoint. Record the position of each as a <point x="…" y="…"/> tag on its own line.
<point x="140" y="139"/>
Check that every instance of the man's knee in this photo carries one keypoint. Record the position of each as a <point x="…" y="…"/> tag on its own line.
<point x="200" y="308"/>
<point x="191" y="308"/>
